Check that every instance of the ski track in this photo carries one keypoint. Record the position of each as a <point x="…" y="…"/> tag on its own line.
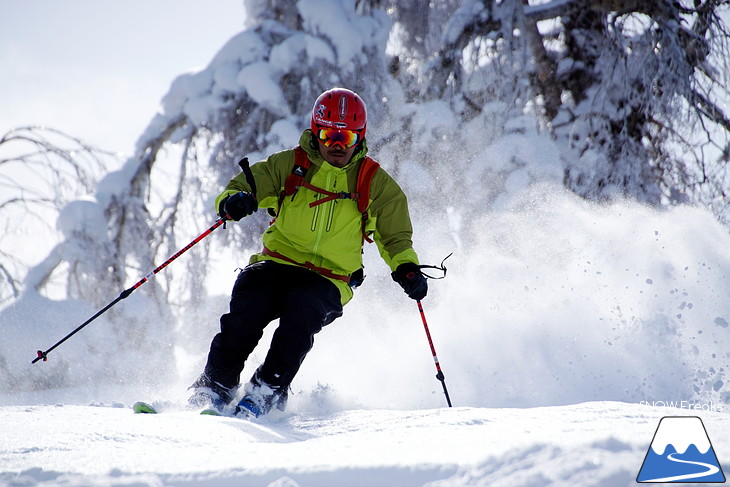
<point x="599" y="444"/>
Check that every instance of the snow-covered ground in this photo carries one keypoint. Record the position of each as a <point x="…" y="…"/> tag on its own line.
<point x="554" y="329"/>
<point x="589" y="444"/>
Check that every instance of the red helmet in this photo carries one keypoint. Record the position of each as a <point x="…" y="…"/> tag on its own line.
<point x="339" y="108"/>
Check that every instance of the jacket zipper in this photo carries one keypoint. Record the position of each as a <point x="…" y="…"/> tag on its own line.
<point x="316" y="212"/>
<point x="321" y="227"/>
<point x="331" y="212"/>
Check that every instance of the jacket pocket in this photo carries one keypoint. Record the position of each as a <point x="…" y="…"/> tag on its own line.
<point x="315" y="214"/>
<point x="331" y="215"/>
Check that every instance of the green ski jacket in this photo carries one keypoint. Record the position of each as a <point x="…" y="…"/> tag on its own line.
<point x="329" y="235"/>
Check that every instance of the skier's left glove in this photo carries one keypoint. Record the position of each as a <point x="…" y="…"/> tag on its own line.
<point x="412" y="280"/>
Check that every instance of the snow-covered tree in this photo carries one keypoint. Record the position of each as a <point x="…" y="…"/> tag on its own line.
<point x="636" y="89"/>
<point x="618" y="86"/>
<point x="41" y="170"/>
<point x="468" y="103"/>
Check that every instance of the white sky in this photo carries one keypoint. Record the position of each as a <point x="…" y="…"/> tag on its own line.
<point x="97" y="69"/>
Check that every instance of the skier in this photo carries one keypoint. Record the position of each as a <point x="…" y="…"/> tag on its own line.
<point x="326" y="197"/>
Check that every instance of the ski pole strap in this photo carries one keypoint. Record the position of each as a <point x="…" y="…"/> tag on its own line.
<point x="441" y="268"/>
<point x="307" y="265"/>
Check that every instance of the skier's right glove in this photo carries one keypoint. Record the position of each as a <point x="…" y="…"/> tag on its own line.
<point x="236" y="206"/>
<point x="412" y="280"/>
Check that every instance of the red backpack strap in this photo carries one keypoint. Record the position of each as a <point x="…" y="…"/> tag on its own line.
<point x="365" y="175"/>
<point x="364" y="178"/>
<point x="296" y="178"/>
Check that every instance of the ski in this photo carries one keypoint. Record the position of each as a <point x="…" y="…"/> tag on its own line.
<point x="141" y="407"/>
<point x="211" y="412"/>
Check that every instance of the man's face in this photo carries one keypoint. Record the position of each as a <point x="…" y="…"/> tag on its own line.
<point x="336" y="155"/>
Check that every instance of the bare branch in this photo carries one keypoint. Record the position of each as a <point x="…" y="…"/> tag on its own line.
<point x="56" y="169"/>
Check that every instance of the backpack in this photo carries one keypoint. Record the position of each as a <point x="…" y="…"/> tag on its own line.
<point x="361" y="195"/>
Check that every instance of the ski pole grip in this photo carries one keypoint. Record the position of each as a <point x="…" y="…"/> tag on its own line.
<point x="249" y="175"/>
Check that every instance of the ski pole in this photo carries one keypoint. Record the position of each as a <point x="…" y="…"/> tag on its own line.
<point x="44" y="355"/>
<point x="221" y="221"/>
<point x="440" y="374"/>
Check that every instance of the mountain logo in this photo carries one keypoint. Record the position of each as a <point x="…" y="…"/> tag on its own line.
<point x="680" y="452"/>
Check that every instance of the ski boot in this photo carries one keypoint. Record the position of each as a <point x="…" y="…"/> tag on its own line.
<point x="259" y="398"/>
<point x="209" y="395"/>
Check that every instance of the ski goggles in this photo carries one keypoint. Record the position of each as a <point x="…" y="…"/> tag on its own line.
<point x="345" y="138"/>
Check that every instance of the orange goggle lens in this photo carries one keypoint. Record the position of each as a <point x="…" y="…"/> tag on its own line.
<point x="345" y="138"/>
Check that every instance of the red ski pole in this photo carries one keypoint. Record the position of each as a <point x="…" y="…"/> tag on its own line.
<point x="44" y="355"/>
<point x="440" y="374"/>
<point x="221" y="221"/>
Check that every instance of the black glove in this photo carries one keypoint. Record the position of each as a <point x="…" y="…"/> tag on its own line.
<point x="236" y="206"/>
<point x="411" y="279"/>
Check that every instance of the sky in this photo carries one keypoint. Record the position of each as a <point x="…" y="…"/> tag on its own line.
<point x="98" y="69"/>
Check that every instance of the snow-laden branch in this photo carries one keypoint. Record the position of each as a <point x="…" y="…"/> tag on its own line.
<point x="41" y="170"/>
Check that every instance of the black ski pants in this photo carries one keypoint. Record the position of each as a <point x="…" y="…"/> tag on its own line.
<point x="301" y="299"/>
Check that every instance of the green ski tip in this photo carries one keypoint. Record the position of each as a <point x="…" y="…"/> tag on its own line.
<point x="210" y="412"/>
<point x="143" y="408"/>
